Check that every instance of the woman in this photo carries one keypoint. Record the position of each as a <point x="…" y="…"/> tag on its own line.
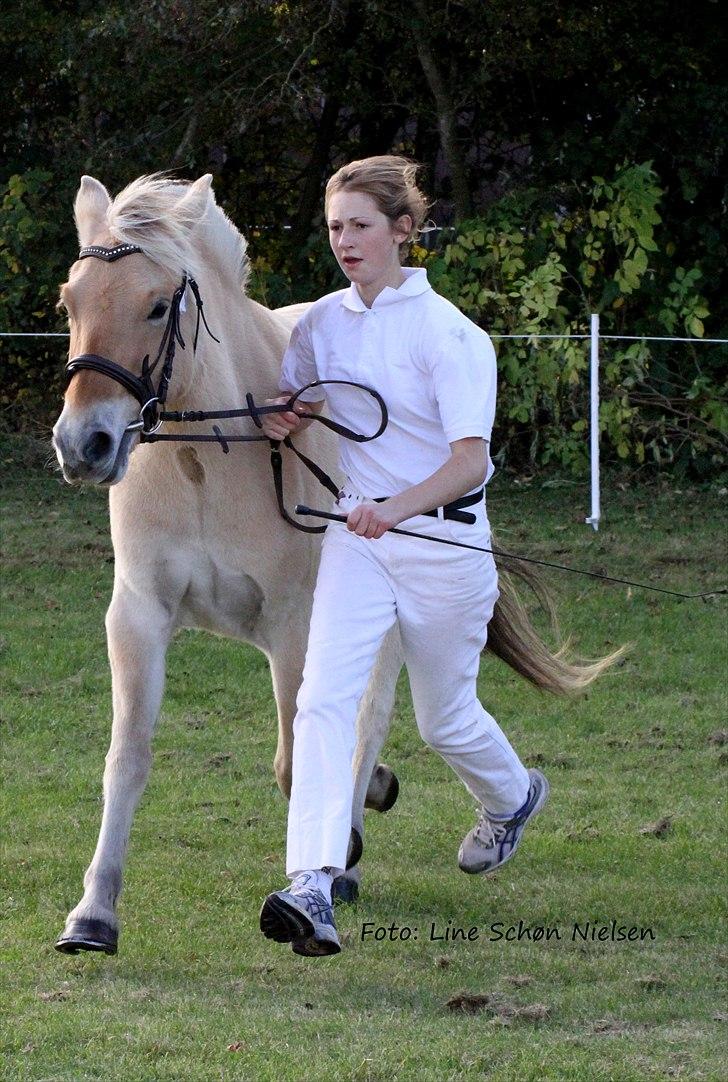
<point x="436" y="371"/>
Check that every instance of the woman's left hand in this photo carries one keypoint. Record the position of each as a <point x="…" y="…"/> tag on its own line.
<point x="371" y="519"/>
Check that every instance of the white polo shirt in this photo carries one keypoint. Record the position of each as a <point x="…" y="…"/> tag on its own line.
<point x="434" y="368"/>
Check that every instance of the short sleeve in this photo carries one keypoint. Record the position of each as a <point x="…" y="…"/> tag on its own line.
<point x="299" y="363"/>
<point x="462" y="362"/>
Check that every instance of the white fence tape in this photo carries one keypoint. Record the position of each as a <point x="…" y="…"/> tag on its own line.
<point x="593" y="337"/>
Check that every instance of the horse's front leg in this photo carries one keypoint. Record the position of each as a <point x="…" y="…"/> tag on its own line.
<point x="286" y="654"/>
<point x="375" y="785"/>
<point x="138" y="632"/>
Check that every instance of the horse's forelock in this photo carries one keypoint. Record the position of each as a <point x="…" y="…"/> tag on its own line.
<point x="159" y="215"/>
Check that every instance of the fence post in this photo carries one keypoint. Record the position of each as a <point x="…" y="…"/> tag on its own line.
<point x="593" y="519"/>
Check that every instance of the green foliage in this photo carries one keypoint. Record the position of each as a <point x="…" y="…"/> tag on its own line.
<point x="530" y="268"/>
<point x="513" y="118"/>
<point x="32" y="264"/>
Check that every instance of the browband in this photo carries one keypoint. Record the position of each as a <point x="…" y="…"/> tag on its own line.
<point x="109" y="255"/>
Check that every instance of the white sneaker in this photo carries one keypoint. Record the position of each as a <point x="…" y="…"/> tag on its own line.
<point x="301" y="916"/>
<point x="492" y="842"/>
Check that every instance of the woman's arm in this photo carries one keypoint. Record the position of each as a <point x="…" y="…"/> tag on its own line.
<point x="464" y="470"/>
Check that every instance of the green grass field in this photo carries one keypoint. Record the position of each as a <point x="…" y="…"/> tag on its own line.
<point x="197" y="993"/>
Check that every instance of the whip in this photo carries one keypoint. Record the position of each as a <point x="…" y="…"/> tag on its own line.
<point x="301" y="509"/>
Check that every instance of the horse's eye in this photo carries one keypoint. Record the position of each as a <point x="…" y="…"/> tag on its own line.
<point x="158" y="311"/>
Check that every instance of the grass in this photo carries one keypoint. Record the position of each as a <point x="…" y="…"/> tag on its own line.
<point x="197" y="993"/>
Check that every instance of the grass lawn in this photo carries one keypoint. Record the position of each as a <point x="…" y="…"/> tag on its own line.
<point x="197" y="993"/>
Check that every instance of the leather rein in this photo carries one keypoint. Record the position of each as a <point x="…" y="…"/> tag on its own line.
<point x="151" y="399"/>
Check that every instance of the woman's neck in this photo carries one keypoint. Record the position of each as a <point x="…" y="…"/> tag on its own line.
<point x="371" y="290"/>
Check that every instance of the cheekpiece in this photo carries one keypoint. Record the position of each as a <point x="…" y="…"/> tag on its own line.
<point x="109" y="255"/>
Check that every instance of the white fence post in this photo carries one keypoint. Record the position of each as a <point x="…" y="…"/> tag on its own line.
<point x="593" y="519"/>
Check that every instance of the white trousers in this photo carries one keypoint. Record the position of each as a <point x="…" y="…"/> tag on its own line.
<point x="442" y="598"/>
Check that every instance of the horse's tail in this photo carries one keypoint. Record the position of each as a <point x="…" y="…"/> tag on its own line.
<point x="513" y="638"/>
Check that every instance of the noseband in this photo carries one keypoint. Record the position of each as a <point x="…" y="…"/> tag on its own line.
<point x="149" y="397"/>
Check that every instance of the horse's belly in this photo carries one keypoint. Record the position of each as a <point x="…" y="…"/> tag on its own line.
<point x="219" y="599"/>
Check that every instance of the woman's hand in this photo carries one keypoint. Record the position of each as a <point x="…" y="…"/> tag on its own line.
<point x="371" y="519"/>
<point x="277" y="426"/>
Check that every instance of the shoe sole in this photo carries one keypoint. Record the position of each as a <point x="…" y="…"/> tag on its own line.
<point x="284" y="923"/>
<point x="546" y="789"/>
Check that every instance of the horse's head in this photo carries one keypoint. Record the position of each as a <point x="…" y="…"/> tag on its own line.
<point x="118" y="312"/>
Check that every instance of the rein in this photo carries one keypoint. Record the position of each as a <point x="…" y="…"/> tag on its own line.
<point x="151" y="398"/>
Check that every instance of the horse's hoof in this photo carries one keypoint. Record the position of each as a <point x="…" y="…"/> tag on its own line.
<point x="344" y="889"/>
<point x="383" y="789"/>
<point x="88" y="935"/>
<point x="391" y="794"/>
<point x="356" y="848"/>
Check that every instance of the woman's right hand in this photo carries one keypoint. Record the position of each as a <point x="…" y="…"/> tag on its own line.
<point x="277" y="426"/>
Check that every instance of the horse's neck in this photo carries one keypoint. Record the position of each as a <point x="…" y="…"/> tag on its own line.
<point x="246" y="359"/>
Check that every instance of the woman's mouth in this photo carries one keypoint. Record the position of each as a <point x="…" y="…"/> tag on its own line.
<point x="351" y="261"/>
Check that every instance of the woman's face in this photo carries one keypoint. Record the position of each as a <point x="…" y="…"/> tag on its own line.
<point x="364" y="241"/>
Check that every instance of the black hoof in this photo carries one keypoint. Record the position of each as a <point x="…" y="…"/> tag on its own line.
<point x="383" y="789"/>
<point x="344" y="890"/>
<point x="88" y="935"/>
<point x="356" y="848"/>
<point x="390" y="797"/>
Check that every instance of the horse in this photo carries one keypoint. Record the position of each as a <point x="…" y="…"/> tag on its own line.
<point x="197" y="535"/>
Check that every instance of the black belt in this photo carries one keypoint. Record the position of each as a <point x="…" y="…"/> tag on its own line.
<point x="452" y="510"/>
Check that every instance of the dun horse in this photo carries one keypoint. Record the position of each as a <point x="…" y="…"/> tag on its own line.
<point x="198" y="540"/>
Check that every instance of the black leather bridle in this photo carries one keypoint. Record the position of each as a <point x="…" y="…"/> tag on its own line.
<point x="151" y="398"/>
<point x="141" y="387"/>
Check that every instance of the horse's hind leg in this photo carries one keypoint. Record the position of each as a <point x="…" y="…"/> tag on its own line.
<point x="375" y="785"/>
<point x="138" y="633"/>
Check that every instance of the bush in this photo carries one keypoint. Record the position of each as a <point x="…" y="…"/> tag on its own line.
<point x="535" y="265"/>
<point x="34" y="256"/>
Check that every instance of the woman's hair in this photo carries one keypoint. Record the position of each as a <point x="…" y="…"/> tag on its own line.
<point x="390" y="181"/>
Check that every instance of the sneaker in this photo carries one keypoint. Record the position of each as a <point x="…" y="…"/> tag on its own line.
<point x="301" y="916"/>
<point x="492" y="842"/>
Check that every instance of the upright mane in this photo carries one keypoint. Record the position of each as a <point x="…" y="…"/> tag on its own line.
<point x="152" y="213"/>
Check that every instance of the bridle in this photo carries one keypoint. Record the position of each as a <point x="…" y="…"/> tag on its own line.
<point x="151" y="398"/>
<point x="141" y="387"/>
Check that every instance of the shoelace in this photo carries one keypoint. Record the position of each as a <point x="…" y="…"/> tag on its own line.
<point x="490" y="833"/>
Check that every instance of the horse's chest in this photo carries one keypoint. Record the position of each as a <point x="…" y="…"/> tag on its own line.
<point x="221" y="599"/>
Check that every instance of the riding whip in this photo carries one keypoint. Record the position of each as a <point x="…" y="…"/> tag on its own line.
<point x="301" y="509"/>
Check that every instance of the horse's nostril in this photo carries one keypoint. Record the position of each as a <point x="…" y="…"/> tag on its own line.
<point x="97" y="446"/>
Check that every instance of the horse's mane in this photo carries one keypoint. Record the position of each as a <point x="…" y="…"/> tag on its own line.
<point x="147" y="213"/>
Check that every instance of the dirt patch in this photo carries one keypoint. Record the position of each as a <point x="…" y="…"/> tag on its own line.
<point x="504" y="1013"/>
<point x="651" y="983"/>
<point x="659" y="829"/>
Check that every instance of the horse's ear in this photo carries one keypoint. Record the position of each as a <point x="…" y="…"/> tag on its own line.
<point x="92" y="202"/>
<point x="193" y="204"/>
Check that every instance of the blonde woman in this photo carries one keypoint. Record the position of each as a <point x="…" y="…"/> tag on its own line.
<point x="436" y="371"/>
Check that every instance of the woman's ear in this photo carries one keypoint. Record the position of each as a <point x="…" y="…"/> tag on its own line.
<point x="402" y="227"/>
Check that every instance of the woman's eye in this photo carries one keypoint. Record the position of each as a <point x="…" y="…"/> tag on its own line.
<point x="158" y="311"/>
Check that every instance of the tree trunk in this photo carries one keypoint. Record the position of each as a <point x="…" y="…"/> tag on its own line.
<point x="446" y="119"/>
<point x="318" y="161"/>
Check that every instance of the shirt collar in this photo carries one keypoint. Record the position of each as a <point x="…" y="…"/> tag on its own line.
<point x="415" y="283"/>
